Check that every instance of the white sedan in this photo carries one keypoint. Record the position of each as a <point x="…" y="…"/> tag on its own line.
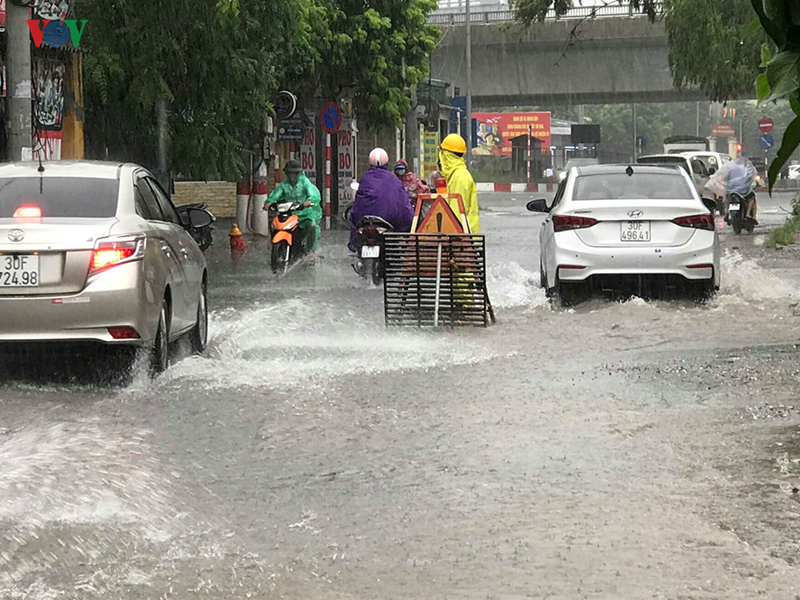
<point x="613" y="226"/>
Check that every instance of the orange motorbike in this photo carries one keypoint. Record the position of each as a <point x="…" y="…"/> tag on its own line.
<point x="288" y="244"/>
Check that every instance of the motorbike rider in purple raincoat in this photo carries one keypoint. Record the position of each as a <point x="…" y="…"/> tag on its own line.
<point x="380" y="194"/>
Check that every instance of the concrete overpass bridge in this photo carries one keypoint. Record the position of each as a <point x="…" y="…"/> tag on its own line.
<point x="614" y="56"/>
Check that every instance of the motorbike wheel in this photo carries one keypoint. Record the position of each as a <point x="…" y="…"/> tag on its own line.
<point x="750" y="228"/>
<point x="206" y="239"/>
<point x="372" y="269"/>
<point x="737" y="226"/>
<point x="279" y="258"/>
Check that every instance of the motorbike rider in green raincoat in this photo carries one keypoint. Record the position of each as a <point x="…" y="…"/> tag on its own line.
<point x="298" y="188"/>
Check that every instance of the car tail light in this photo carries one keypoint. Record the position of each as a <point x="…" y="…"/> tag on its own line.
<point x="701" y="266"/>
<point x="109" y="252"/>
<point x="567" y="222"/>
<point x="703" y="221"/>
<point x="28" y="212"/>
<point x="123" y="333"/>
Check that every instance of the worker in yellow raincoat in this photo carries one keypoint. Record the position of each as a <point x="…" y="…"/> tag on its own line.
<point x="459" y="180"/>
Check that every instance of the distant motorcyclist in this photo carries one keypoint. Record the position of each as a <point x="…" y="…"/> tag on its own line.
<point x="298" y="188"/>
<point x="736" y="177"/>
<point x="380" y="194"/>
<point x="413" y="184"/>
<point x="459" y="180"/>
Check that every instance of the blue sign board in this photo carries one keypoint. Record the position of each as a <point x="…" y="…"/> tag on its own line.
<point x="290" y="131"/>
<point x="766" y="141"/>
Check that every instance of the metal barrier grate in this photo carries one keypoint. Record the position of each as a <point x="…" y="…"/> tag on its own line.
<point x="432" y="279"/>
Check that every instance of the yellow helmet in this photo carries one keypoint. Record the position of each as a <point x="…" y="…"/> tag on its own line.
<point x="454" y="143"/>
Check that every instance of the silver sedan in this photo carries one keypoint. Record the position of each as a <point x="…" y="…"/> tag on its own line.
<point x="96" y="252"/>
<point x="617" y="223"/>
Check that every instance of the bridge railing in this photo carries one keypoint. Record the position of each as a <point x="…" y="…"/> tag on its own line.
<point x="614" y="10"/>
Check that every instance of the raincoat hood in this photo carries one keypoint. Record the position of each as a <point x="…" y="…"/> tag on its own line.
<point x="450" y="163"/>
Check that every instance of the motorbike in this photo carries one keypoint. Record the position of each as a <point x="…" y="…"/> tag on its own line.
<point x="369" y="231"/>
<point x="202" y="235"/>
<point x="287" y="243"/>
<point x="737" y="211"/>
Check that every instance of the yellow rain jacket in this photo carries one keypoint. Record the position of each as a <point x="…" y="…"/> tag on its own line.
<point x="459" y="181"/>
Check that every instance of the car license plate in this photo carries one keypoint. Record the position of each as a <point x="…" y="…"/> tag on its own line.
<point x="19" y="270"/>
<point x="734" y="207"/>
<point x="370" y="251"/>
<point x="635" y="231"/>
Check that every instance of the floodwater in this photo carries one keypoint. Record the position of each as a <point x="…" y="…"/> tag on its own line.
<point x="636" y="449"/>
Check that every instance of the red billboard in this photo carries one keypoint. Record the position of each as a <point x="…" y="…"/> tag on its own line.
<point x="496" y="130"/>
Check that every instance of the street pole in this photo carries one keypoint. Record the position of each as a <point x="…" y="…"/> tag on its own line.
<point x="468" y="137"/>
<point x="20" y="130"/>
<point x="697" y="127"/>
<point x="163" y="142"/>
<point x="633" y="111"/>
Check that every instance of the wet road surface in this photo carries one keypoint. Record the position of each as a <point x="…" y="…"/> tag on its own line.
<point x="615" y="450"/>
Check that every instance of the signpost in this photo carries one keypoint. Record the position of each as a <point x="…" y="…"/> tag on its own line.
<point x="330" y="117"/>
<point x="766" y="125"/>
<point x="728" y="131"/>
<point x="766" y="141"/>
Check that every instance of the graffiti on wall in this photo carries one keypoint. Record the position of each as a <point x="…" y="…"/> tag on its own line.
<point x="48" y="94"/>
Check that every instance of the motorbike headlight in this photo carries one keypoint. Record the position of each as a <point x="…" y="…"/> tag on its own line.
<point x="284" y="206"/>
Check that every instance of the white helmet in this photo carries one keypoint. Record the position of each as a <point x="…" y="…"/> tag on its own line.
<point x="378" y="158"/>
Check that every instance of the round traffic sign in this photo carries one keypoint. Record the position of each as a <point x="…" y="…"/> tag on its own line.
<point x="766" y="141"/>
<point x="766" y="125"/>
<point x="330" y="117"/>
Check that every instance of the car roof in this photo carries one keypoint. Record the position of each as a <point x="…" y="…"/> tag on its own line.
<point x="680" y="155"/>
<point x="89" y="169"/>
<point x="623" y="168"/>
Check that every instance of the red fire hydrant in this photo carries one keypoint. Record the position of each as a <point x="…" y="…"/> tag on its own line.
<point x="238" y="245"/>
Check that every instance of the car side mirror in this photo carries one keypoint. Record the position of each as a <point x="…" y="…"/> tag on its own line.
<point x="710" y="204"/>
<point x="200" y="218"/>
<point x="711" y="171"/>
<point x="539" y="205"/>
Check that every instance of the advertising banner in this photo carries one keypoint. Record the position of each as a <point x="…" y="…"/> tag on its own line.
<point x="347" y="162"/>
<point x="496" y="130"/>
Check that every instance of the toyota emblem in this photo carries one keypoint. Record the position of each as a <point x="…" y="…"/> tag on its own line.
<point x="16" y="235"/>
<point x="635" y="214"/>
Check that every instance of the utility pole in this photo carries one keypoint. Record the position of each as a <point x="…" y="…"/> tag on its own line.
<point x="468" y="137"/>
<point x="635" y="140"/>
<point x="697" y="127"/>
<point x="20" y="130"/>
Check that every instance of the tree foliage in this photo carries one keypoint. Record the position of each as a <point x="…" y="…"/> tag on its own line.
<point x="375" y="51"/>
<point x="218" y="64"/>
<point x="780" y="19"/>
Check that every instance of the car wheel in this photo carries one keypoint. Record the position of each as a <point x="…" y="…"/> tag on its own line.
<point x="159" y="354"/>
<point x="198" y="338"/>
<point x="704" y="290"/>
<point x="566" y="295"/>
<point x="542" y="278"/>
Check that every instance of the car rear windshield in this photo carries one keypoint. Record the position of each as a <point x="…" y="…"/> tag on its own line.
<point x="60" y="197"/>
<point x="639" y="186"/>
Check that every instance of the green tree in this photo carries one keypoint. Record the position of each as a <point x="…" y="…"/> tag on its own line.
<point x="374" y="51"/>
<point x="780" y="19"/>
<point x="216" y="64"/>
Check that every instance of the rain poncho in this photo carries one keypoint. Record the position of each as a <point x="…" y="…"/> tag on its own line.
<point x="413" y="184"/>
<point x="301" y="191"/>
<point x="737" y="176"/>
<point x="459" y="181"/>
<point x="381" y="194"/>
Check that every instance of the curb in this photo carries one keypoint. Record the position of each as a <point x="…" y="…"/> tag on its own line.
<point x="516" y="187"/>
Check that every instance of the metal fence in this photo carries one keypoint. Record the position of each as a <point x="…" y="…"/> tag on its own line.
<point x="614" y="10"/>
<point x="435" y="280"/>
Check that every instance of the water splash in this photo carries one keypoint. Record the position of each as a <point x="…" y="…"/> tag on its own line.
<point x="511" y="285"/>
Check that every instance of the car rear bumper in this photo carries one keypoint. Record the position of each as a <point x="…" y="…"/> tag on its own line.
<point x="119" y="297"/>
<point x="701" y="249"/>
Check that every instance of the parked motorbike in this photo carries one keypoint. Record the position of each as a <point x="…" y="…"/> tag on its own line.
<point x="369" y="231"/>
<point x="202" y="235"/>
<point x="287" y="243"/>
<point x="737" y="211"/>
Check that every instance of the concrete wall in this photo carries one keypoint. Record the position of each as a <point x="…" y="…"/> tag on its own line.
<point x="367" y="140"/>
<point x="220" y="196"/>
<point x="609" y="61"/>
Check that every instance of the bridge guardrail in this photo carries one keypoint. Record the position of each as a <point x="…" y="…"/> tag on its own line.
<point x="575" y="13"/>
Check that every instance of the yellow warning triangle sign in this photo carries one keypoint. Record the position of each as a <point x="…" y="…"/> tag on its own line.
<point x="440" y="219"/>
